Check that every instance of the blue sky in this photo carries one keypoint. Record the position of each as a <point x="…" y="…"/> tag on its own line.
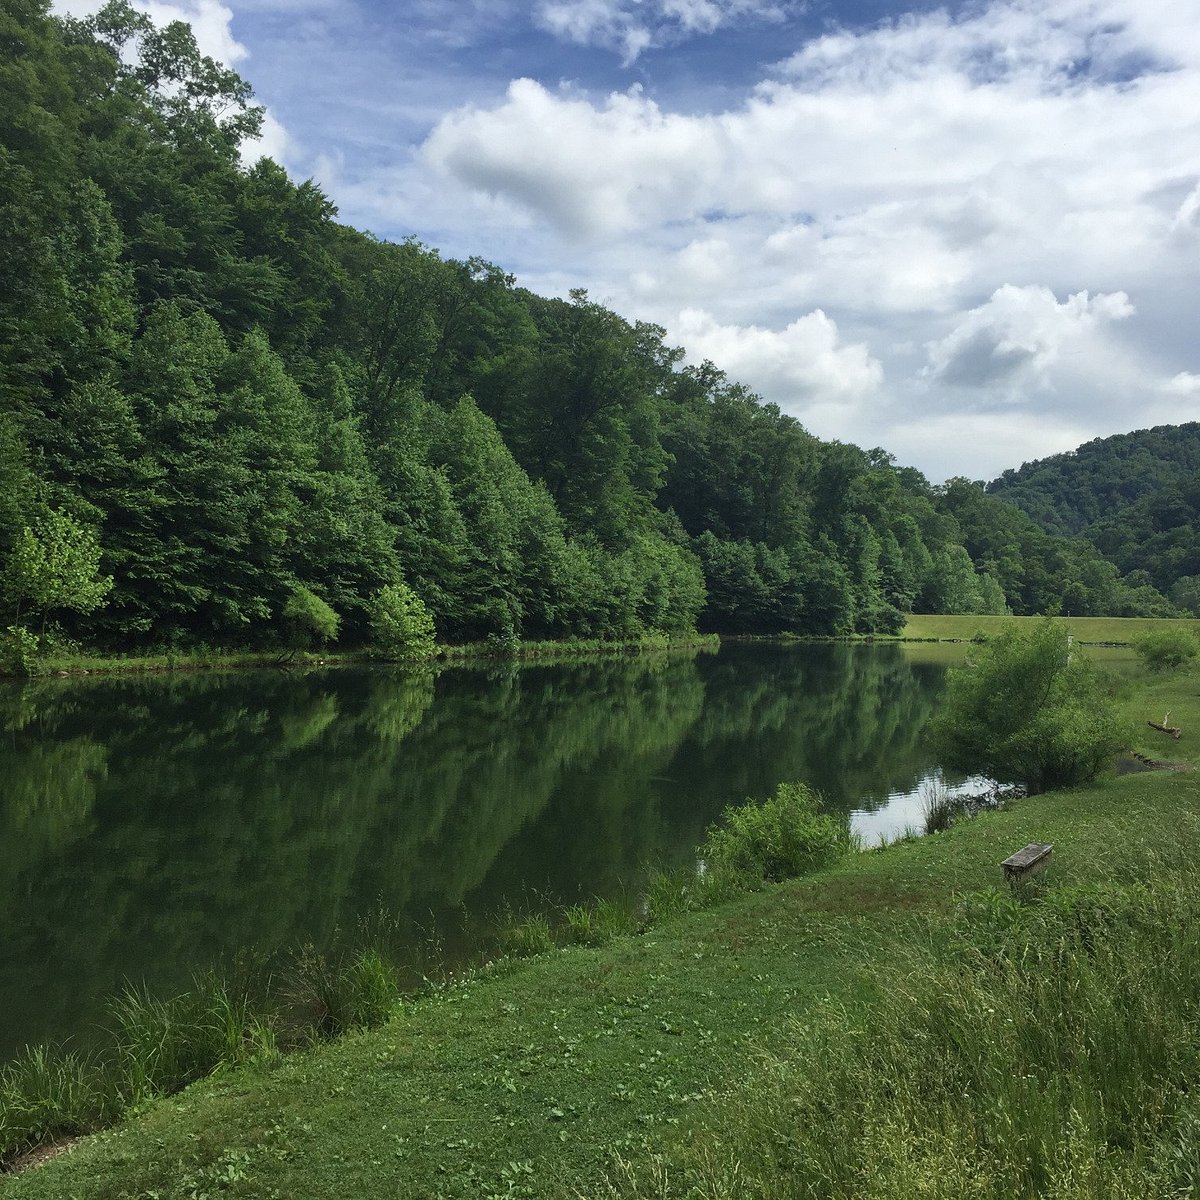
<point x="970" y="235"/>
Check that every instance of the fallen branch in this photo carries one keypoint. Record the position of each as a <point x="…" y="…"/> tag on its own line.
<point x="1173" y="730"/>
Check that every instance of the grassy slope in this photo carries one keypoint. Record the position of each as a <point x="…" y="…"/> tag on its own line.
<point x="525" y="1081"/>
<point x="1096" y="630"/>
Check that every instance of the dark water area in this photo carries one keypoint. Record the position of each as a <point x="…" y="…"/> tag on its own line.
<point x="149" y="826"/>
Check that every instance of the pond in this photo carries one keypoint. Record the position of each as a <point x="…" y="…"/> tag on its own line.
<point x="150" y="825"/>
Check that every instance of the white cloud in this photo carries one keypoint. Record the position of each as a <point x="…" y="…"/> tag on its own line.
<point x="971" y="444"/>
<point x="589" y="171"/>
<point x="803" y="364"/>
<point x="1186" y="383"/>
<point x="1018" y="336"/>
<point x="631" y="27"/>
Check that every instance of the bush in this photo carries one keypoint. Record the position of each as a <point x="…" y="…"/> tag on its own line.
<point x="785" y="837"/>
<point x="1029" y="709"/>
<point x="1168" y="650"/>
<point x="310" y="619"/>
<point x="401" y="626"/>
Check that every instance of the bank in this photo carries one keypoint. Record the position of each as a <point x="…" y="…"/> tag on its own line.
<point x="540" y="1078"/>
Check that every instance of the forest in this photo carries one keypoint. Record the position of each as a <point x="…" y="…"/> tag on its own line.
<point x="228" y="420"/>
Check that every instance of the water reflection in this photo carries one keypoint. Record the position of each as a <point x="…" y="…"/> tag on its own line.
<point x="150" y="824"/>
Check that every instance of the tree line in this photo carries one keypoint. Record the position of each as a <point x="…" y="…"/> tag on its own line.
<point x="228" y="419"/>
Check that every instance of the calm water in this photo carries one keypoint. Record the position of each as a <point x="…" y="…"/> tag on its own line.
<point x="148" y="826"/>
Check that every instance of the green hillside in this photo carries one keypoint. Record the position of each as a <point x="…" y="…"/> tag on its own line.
<point x="1135" y="497"/>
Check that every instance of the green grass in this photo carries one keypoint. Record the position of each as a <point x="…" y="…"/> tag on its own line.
<point x="677" y="1061"/>
<point x="525" y="1079"/>
<point x="1120" y="631"/>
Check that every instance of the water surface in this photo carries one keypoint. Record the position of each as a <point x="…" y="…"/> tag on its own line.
<point x="150" y="825"/>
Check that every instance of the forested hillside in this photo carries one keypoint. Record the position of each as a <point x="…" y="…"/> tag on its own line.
<point x="1136" y="497"/>
<point x="227" y="419"/>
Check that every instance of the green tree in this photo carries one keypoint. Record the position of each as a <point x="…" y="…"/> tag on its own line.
<point x="401" y="626"/>
<point x="310" y="618"/>
<point x="55" y="565"/>
<point x="1028" y="708"/>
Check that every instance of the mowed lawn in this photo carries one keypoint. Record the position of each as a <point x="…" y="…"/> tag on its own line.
<point x="1113" y="631"/>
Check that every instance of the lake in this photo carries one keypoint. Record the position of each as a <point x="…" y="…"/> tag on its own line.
<point x="150" y="825"/>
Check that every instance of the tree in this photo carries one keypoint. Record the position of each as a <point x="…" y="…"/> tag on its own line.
<point x="401" y="626"/>
<point x="1028" y="708"/>
<point x="55" y="565"/>
<point x="310" y="618"/>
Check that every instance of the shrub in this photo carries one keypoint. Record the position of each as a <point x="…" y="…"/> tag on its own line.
<point x="785" y="837"/>
<point x="401" y="626"/>
<point x="309" y="618"/>
<point x="1167" y="650"/>
<point x="1028" y="708"/>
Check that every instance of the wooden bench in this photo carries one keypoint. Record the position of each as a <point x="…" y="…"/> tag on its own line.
<point x="1027" y="861"/>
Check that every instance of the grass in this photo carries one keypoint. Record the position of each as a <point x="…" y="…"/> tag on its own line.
<point x="1115" y="631"/>
<point x="679" y="1062"/>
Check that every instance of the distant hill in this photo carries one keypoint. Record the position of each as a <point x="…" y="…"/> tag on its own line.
<point x="1135" y="497"/>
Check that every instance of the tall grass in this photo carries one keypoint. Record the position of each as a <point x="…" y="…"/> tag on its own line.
<point x="1049" y="1050"/>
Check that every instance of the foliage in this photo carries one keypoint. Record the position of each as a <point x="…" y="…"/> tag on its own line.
<point x="54" y="566"/>
<point x="234" y="396"/>
<point x="1168" y="650"/>
<point x="401" y="626"/>
<point x="311" y="618"/>
<point x="1028" y="709"/>
<point x="785" y="836"/>
<point x="1134" y="496"/>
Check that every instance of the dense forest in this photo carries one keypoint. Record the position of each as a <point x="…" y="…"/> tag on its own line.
<point x="227" y="419"/>
<point x="1135" y="497"/>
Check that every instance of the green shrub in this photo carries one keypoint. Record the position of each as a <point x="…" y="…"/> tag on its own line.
<point x="1167" y="650"/>
<point x="1028" y="708"/>
<point x="401" y="626"/>
<point x="18" y="651"/>
<point x="784" y="837"/>
<point x="309" y="618"/>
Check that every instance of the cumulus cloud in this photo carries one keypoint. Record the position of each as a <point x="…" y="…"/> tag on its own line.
<point x="633" y="26"/>
<point x="1186" y="383"/>
<point x="802" y="364"/>
<point x="1018" y="335"/>
<point x="579" y="170"/>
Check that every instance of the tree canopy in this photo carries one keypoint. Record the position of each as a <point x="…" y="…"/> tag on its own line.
<point x="263" y="420"/>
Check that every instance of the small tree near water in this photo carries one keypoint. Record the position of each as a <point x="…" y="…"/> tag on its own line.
<point x="54" y="565"/>
<point x="1028" y="708"/>
<point x="309" y="618"/>
<point x="401" y="626"/>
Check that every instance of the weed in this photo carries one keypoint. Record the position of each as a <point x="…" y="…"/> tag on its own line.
<point x="331" y="995"/>
<point x="782" y="838"/>
<point x="46" y="1093"/>
<point x="524" y="936"/>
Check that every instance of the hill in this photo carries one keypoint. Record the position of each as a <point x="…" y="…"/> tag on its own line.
<point x="1134" y="496"/>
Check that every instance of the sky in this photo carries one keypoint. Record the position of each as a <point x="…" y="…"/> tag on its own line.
<point x="967" y="234"/>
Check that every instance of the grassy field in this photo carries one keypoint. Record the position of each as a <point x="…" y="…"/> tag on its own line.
<point x="626" y="1070"/>
<point x="1117" y="631"/>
